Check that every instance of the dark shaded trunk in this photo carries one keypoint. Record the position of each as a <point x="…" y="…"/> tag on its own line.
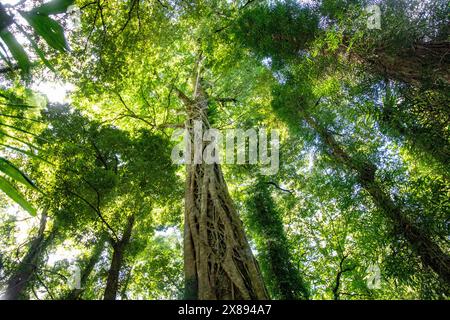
<point x="20" y="280"/>
<point x="112" y="283"/>
<point x="218" y="261"/>
<point x="75" y="293"/>
<point x="429" y="252"/>
<point x="423" y="64"/>
<point x="283" y="279"/>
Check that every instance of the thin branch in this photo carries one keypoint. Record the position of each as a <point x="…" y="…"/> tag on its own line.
<point x="46" y="288"/>
<point x="33" y="289"/>
<point x="99" y="155"/>
<point x="87" y="4"/>
<point x="249" y="2"/>
<point x="130" y="12"/>
<point x="278" y="187"/>
<point x="183" y="97"/>
<point x="132" y="114"/>
<point x="96" y="210"/>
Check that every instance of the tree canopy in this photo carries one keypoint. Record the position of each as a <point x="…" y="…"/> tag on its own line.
<point x="355" y="93"/>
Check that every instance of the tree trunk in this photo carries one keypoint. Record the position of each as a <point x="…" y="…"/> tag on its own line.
<point x="429" y="252"/>
<point x="75" y="294"/>
<point x="423" y="64"/>
<point x="218" y="261"/>
<point x="19" y="281"/>
<point x="282" y="277"/>
<point x="112" y="283"/>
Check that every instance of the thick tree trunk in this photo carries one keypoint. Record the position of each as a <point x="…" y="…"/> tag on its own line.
<point x="112" y="283"/>
<point x="219" y="263"/>
<point x="19" y="281"/>
<point x="429" y="252"/>
<point x="75" y="294"/>
<point x="423" y="64"/>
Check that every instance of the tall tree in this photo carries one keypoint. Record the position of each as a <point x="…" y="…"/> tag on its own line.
<point x="27" y="267"/>
<point x="426" y="248"/>
<point x="417" y="56"/>
<point x="219" y="263"/>
<point x="112" y="282"/>
<point x="282" y="277"/>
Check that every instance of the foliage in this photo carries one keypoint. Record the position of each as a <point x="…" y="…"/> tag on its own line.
<point x="364" y="132"/>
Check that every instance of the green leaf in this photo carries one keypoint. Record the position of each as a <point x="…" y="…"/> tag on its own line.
<point x="4" y="58"/>
<point x="38" y="50"/>
<point x="15" y="195"/>
<point x="16" y="50"/>
<point x="41" y="55"/>
<point x="25" y="152"/>
<point x="18" y="139"/>
<point x="48" y="29"/>
<point x="53" y="7"/>
<point x="15" y="173"/>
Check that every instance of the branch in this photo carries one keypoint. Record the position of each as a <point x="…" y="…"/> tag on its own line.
<point x="87" y="5"/>
<point x="247" y="4"/>
<point x="96" y="210"/>
<point x="130" y="12"/>
<point x="339" y="275"/>
<point x="278" y="187"/>
<point x="99" y="155"/>
<point x="183" y="97"/>
<point x="100" y="8"/>
<point x="132" y="113"/>
<point x="45" y="287"/>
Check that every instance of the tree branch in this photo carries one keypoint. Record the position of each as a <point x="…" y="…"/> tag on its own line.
<point x="96" y="210"/>
<point x="278" y="187"/>
<point x="183" y="97"/>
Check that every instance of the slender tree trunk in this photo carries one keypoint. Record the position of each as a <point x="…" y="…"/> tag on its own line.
<point x="282" y="277"/>
<point x="112" y="283"/>
<point x="75" y="294"/>
<point x="429" y="252"/>
<point x="219" y="263"/>
<point x="19" y="281"/>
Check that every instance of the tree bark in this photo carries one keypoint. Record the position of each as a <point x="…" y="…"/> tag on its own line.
<point x="112" y="283"/>
<point x="218" y="261"/>
<point x="429" y="251"/>
<point x="19" y="281"/>
<point x="424" y="63"/>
